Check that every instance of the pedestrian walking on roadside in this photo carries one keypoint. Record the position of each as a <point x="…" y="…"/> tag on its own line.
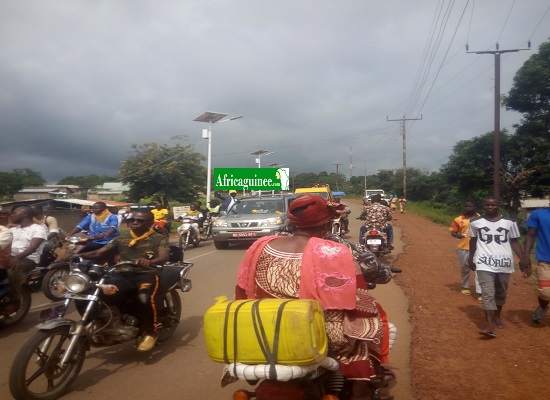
<point x="402" y="204"/>
<point x="460" y="229"/>
<point x="493" y="240"/>
<point x="539" y="231"/>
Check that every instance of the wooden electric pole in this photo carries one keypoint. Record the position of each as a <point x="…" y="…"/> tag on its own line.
<point x="337" y="175"/>
<point x="496" y="135"/>
<point x="404" y="133"/>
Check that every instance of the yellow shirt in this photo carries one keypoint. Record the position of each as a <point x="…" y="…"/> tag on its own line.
<point x="160" y="215"/>
<point x="461" y="225"/>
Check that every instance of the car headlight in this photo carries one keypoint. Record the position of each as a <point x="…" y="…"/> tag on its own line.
<point x="221" y="223"/>
<point x="77" y="282"/>
<point x="272" y="221"/>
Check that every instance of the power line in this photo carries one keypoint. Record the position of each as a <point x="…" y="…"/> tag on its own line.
<point x="508" y="16"/>
<point x="496" y="141"/>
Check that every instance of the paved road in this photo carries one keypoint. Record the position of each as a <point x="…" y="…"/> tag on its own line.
<point x="180" y="368"/>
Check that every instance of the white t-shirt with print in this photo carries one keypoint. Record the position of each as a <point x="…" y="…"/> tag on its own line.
<point x="22" y="239"/>
<point x="494" y="251"/>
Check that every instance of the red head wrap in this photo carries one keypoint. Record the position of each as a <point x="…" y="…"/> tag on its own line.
<point x="311" y="210"/>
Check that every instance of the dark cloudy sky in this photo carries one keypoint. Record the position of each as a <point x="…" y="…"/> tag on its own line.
<point x="83" y="80"/>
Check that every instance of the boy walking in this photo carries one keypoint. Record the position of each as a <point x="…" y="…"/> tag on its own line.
<point x="493" y="240"/>
<point x="460" y="229"/>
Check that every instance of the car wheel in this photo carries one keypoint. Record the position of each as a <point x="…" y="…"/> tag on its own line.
<point x="221" y="245"/>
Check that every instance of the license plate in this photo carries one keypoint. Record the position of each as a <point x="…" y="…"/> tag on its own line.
<point x="244" y="234"/>
<point x="374" y="241"/>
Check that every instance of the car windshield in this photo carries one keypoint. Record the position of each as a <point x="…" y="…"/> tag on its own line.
<point x="259" y="206"/>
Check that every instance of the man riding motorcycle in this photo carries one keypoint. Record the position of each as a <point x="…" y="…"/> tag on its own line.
<point x="145" y="247"/>
<point x="194" y="214"/>
<point x="378" y="216"/>
<point x="343" y="214"/>
<point x="102" y="227"/>
<point x="160" y="214"/>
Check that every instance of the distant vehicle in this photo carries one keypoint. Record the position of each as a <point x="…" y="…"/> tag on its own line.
<point x="251" y="218"/>
<point x="371" y="192"/>
<point x="323" y="191"/>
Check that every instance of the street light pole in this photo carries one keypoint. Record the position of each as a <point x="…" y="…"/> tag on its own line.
<point x="259" y="154"/>
<point x="211" y="118"/>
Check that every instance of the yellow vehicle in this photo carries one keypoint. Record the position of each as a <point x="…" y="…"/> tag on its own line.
<point x="323" y="191"/>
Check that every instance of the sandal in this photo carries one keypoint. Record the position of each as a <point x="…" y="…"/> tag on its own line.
<point x="498" y="324"/>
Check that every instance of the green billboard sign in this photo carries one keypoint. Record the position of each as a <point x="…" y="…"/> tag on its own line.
<point x="251" y="178"/>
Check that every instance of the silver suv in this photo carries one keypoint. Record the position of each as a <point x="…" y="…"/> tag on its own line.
<point x="251" y="218"/>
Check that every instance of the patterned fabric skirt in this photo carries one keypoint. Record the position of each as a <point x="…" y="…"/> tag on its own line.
<point x="356" y="337"/>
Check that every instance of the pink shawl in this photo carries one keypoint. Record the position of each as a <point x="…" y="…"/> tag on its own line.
<point x="327" y="273"/>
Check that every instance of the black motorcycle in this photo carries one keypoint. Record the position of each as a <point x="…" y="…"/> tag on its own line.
<point x="47" y="364"/>
<point x="14" y="308"/>
<point x="376" y="241"/>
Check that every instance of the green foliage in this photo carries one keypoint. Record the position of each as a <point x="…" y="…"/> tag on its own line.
<point x="439" y="213"/>
<point x="164" y="173"/>
<point x="530" y="95"/>
<point x="88" y="181"/>
<point x="17" y="179"/>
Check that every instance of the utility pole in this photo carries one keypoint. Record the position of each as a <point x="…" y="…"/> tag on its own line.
<point x="496" y="135"/>
<point x="337" y="175"/>
<point x="350" y="162"/>
<point x="404" y="133"/>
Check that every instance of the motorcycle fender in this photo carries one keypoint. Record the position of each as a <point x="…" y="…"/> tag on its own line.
<point x="57" y="264"/>
<point x="54" y="323"/>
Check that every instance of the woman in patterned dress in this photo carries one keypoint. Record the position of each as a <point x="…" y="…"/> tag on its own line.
<point x="305" y="265"/>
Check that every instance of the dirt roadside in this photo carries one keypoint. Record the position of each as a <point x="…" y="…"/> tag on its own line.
<point x="449" y="359"/>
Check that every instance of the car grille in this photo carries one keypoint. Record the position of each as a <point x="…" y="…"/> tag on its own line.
<point x="244" y="224"/>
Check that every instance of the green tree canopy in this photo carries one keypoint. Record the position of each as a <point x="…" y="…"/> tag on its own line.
<point x="530" y="95"/>
<point x="17" y="179"/>
<point x="165" y="173"/>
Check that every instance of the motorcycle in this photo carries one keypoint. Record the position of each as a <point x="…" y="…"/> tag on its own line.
<point x="376" y="241"/>
<point x="12" y="310"/>
<point x="48" y="363"/>
<point x="187" y="233"/>
<point x="321" y="381"/>
<point x="206" y="230"/>
<point x="56" y="272"/>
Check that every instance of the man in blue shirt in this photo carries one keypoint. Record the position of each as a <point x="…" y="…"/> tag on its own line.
<point x="102" y="227"/>
<point x="539" y="230"/>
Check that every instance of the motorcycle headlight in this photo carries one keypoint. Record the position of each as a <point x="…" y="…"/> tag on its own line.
<point x="272" y="221"/>
<point x="77" y="282"/>
<point x="222" y="223"/>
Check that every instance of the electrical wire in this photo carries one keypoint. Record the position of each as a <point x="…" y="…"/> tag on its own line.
<point x="508" y="16"/>
<point x="537" y="27"/>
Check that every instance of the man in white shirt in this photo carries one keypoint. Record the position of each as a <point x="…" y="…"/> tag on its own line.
<point x="493" y="242"/>
<point x="27" y="244"/>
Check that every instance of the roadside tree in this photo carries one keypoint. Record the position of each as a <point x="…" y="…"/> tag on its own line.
<point x="165" y="173"/>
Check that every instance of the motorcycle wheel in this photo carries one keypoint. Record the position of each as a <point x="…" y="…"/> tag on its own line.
<point x="171" y="316"/>
<point x="36" y="373"/>
<point x="184" y="241"/>
<point x="50" y="281"/>
<point x="196" y="241"/>
<point x="208" y="232"/>
<point x="20" y="309"/>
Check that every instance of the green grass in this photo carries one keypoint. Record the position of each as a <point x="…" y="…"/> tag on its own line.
<point x="436" y="212"/>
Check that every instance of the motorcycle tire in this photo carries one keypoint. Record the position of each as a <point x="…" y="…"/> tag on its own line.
<point x="20" y="309"/>
<point x="35" y="373"/>
<point x="170" y="316"/>
<point x="184" y="241"/>
<point x="50" y="281"/>
<point x="208" y="232"/>
<point x="196" y="242"/>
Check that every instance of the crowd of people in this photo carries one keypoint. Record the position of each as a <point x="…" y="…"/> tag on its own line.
<point x="290" y="266"/>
